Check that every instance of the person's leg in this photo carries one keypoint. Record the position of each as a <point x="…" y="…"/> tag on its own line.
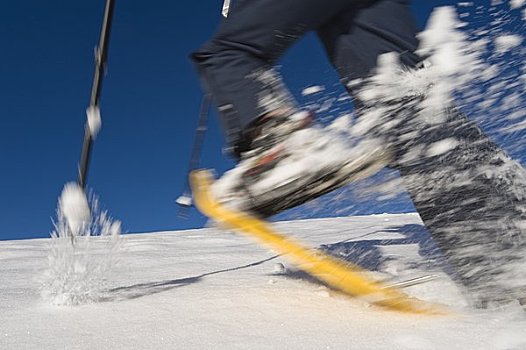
<point x="472" y="197"/>
<point x="355" y="39"/>
<point x="236" y="64"/>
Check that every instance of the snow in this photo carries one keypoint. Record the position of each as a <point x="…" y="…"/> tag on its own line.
<point x="79" y="259"/>
<point x="311" y="151"/>
<point x="475" y="64"/>
<point x="209" y="288"/>
<point x="316" y="149"/>
<point x="312" y="90"/>
<point x="504" y="43"/>
<point x="441" y="147"/>
<point x="496" y="34"/>
<point x="94" y="120"/>
<point x="184" y="200"/>
<point x="73" y="205"/>
<point x="517" y="3"/>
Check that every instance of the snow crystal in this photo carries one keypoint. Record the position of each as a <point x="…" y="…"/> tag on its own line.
<point x="184" y="200"/>
<point x="312" y="90"/>
<point x="504" y="43"/>
<point x="517" y="3"/>
<point x="441" y="147"/>
<point x="341" y="123"/>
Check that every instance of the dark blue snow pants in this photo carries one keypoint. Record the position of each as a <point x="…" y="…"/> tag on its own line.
<point x="471" y="198"/>
<point x="236" y="64"/>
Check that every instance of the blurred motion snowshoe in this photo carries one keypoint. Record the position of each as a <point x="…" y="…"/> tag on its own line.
<point x="292" y="160"/>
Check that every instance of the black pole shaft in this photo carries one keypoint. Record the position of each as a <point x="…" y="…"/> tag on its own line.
<point x="101" y="55"/>
<point x="85" y="157"/>
<point x="196" y="151"/>
<point x="200" y="132"/>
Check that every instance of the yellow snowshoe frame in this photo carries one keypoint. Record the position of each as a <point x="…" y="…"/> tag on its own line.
<point x="342" y="276"/>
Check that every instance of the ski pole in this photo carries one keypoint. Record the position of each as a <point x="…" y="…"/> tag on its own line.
<point x="185" y="200"/>
<point x="93" y="121"/>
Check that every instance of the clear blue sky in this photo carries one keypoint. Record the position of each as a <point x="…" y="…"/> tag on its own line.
<point x="149" y="106"/>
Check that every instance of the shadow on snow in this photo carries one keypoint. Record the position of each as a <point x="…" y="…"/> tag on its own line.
<point x="144" y="289"/>
<point x="366" y="253"/>
<point x="369" y="255"/>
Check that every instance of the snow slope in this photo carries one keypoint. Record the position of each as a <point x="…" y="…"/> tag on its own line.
<point x="209" y="288"/>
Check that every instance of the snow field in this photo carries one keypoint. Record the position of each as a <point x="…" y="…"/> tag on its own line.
<point x="213" y="289"/>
